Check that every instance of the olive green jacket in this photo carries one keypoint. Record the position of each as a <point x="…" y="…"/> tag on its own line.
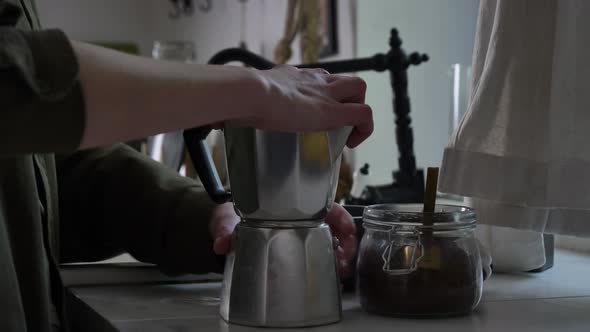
<point x="75" y="205"/>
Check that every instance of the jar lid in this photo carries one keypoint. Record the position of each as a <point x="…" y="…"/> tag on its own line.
<point x="444" y="217"/>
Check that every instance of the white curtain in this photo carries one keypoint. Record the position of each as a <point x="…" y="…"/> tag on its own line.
<point x="522" y="151"/>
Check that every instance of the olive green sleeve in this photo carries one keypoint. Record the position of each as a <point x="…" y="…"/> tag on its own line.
<point x="115" y="198"/>
<point x="41" y="100"/>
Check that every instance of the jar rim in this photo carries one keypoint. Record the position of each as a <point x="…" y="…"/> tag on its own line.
<point x="444" y="217"/>
<point x="174" y="50"/>
<point x="174" y="43"/>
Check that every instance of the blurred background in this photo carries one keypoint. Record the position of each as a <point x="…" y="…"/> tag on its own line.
<point x="443" y="29"/>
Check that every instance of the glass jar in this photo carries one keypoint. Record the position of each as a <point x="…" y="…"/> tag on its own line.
<point x="174" y="50"/>
<point x="168" y="148"/>
<point x="460" y="75"/>
<point x="406" y="268"/>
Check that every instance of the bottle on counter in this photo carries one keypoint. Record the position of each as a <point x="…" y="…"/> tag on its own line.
<point x="359" y="183"/>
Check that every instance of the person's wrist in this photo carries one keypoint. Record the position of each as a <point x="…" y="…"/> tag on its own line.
<point x="253" y="91"/>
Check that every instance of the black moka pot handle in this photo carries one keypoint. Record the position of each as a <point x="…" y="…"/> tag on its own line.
<point x="195" y="140"/>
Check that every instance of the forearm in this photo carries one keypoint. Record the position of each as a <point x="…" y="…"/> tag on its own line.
<point x="114" y="199"/>
<point x="129" y="97"/>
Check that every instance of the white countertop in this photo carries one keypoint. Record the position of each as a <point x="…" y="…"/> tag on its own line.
<point x="555" y="300"/>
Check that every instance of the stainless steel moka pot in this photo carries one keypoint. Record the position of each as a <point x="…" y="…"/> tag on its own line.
<point x="282" y="270"/>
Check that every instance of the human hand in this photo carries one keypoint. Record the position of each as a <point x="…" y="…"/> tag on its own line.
<point x="310" y="100"/>
<point x="282" y="99"/>
<point x="344" y="230"/>
<point x="224" y="220"/>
